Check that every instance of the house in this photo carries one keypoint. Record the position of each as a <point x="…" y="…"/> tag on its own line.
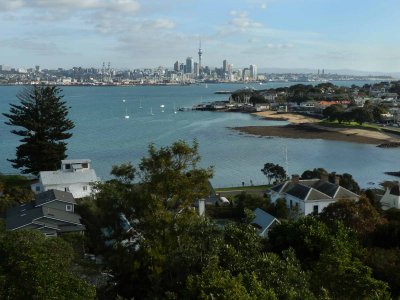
<point x="391" y="198"/>
<point x="264" y="222"/>
<point x="75" y="177"/>
<point x="52" y="213"/>
<point x="310" y="195"/>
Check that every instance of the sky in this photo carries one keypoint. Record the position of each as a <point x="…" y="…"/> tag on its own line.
<point x="313" y="34"/>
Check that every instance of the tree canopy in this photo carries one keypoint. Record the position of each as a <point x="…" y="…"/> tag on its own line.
<point x="42" y="121"/>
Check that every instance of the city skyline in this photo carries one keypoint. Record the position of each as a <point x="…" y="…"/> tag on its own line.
<point x="312" y="34"/>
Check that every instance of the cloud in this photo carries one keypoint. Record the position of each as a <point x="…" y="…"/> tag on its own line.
<point x="70" y="5"/>
<point x="37" y="46"/>
<point x="243" y="22"/>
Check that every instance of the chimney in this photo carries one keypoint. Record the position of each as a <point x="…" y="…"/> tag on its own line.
<point x="337" y="180"/>
<point x="324" y="177"/>
<point x="295" y="179"/>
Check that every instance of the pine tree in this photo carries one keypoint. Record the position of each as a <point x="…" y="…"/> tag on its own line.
<point x="43" y="125"/>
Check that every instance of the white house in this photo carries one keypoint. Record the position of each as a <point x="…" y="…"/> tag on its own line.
<point x="264" y="222"/>
<point x="391" y="198"/>
<point x="75" y="177"/>
<point x="310" y="195"/>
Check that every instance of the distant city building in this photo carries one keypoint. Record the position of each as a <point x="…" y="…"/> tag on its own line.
<point x="176" y="66"/>
<point x="253" y="72"/>
<point x="200" y="54"/>
<point x="225" y="66"/>
<point x="246" y="74"/>
<point x="37" y="68"/>
<point x="196" y="70"/>
<point x="189" y="65"/>
<point x="182" y="67"/>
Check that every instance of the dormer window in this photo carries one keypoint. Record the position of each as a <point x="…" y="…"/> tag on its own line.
<point x="68" y="207"/>
<point x="85" y="165"/>
<point x="67" y="166"/>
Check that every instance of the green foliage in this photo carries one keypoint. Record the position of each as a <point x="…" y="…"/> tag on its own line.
<point x="345" y="276"/>
<point x="333" y="112"/>
<point x="251" y="201"/>
<point x="14" y="190"/>
<point x="41" y="121"/>
<point x="274" y="171"/>
<point x="385" y="264"/>
<point x="33" y="267"/>
<point x="359" y="215"/>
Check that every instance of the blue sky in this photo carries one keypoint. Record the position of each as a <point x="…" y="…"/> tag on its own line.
<point x="330" y="34"/>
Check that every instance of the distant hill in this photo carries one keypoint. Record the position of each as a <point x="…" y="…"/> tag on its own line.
<point x="331" y="71"/>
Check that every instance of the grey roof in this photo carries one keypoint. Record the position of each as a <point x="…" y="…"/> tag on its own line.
<point x="75" y="161"/>
<point x="61" y="177"/>
<point x="38" y="215"/>
<point x="20" y="209"/>
<point x="263" y="219"/>
<point x="51" y="195"/>
<point x="313" y="190"/>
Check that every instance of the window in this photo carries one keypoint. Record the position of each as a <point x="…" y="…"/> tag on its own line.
<point x="66" y="189"/>
<point x="85" y="165"/>
<point x="85" y="187"/>
<point x="315" y="209"/>
<point x="68" y="166"/>
<point x="38" y="188"/>
<point x="291" y="204"/>
<point x="68" y="207"/>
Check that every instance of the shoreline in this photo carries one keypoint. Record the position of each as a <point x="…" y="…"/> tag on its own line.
<point x="305" y="127"/>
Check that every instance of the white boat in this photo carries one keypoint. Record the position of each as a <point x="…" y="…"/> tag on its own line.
<point x="175" y="111"/>
<point x="126" y="113"/>
<point x="140" y="105"/>
<point x="162" y="106"/>
<point x="151" y="111"/>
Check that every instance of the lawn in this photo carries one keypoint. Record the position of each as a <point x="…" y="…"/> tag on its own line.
<point x="353" y="124"/>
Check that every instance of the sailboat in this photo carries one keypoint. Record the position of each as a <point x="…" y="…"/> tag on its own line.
<point x="140" y="105"/>
<point x="206" y="86"/>
<point x="126" y="113"/>
<point x="175" y="111"/>
<point x="126" y="110"/>
<point x="162" y="107"/>
<point x="151" y="111"/>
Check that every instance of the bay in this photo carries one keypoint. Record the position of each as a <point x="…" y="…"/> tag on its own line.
<point x="103" y="135"/>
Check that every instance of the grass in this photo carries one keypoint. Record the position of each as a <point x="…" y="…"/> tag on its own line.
<point x="350" y="125"/>
<point x="242" y="188"/>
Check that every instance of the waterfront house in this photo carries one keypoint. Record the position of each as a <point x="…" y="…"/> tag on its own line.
<point x="52" y="213"/>
<point x="264" y="222"/>
<point x="391" y="198"/>
<point x="75" y="176"/>
<point x="311" y="195"/>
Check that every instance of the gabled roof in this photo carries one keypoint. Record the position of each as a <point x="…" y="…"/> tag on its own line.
<point x="313" y="190"/>
<point x="52" y="195"/>
<point x="60" y="177"/>
<point x="263" y="219"/>
<point x="17" y="219"/>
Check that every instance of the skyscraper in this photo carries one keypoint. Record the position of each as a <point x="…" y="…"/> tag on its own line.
<point x="200" y="54"/>
<point x="189" y="65"/>
<point x="253" y="72"/>
<point x="196" y="69"/>
<point x="225" y="66"/>
<point x="176" y="66"/>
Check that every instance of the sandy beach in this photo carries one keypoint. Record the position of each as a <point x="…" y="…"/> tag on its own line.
<point x="306" y="128"/>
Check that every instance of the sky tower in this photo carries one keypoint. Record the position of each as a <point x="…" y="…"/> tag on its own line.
<point x="200" y="54"/>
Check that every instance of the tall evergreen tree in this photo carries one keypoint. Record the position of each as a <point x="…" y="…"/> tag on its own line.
<point x="43" y="125"/>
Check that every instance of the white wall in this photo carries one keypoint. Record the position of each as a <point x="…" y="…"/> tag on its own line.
<point x="388" y="200"/>
<point x="76" y="189"/>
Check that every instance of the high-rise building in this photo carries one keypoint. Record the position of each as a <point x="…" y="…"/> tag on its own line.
<point x="225" y="66"/>
<point x="200" y="54"/>
<point x="176" y="66"/>
<point x="253" y="72"/>
<point x="196" y="69"/>
<point x="189" y="65"/>
<point x="37" y="69"/>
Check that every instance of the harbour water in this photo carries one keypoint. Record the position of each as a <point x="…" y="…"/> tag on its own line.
<point x="104" y="135"/>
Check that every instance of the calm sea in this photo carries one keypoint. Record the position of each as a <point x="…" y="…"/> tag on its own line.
<point x="103" y="135"/>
